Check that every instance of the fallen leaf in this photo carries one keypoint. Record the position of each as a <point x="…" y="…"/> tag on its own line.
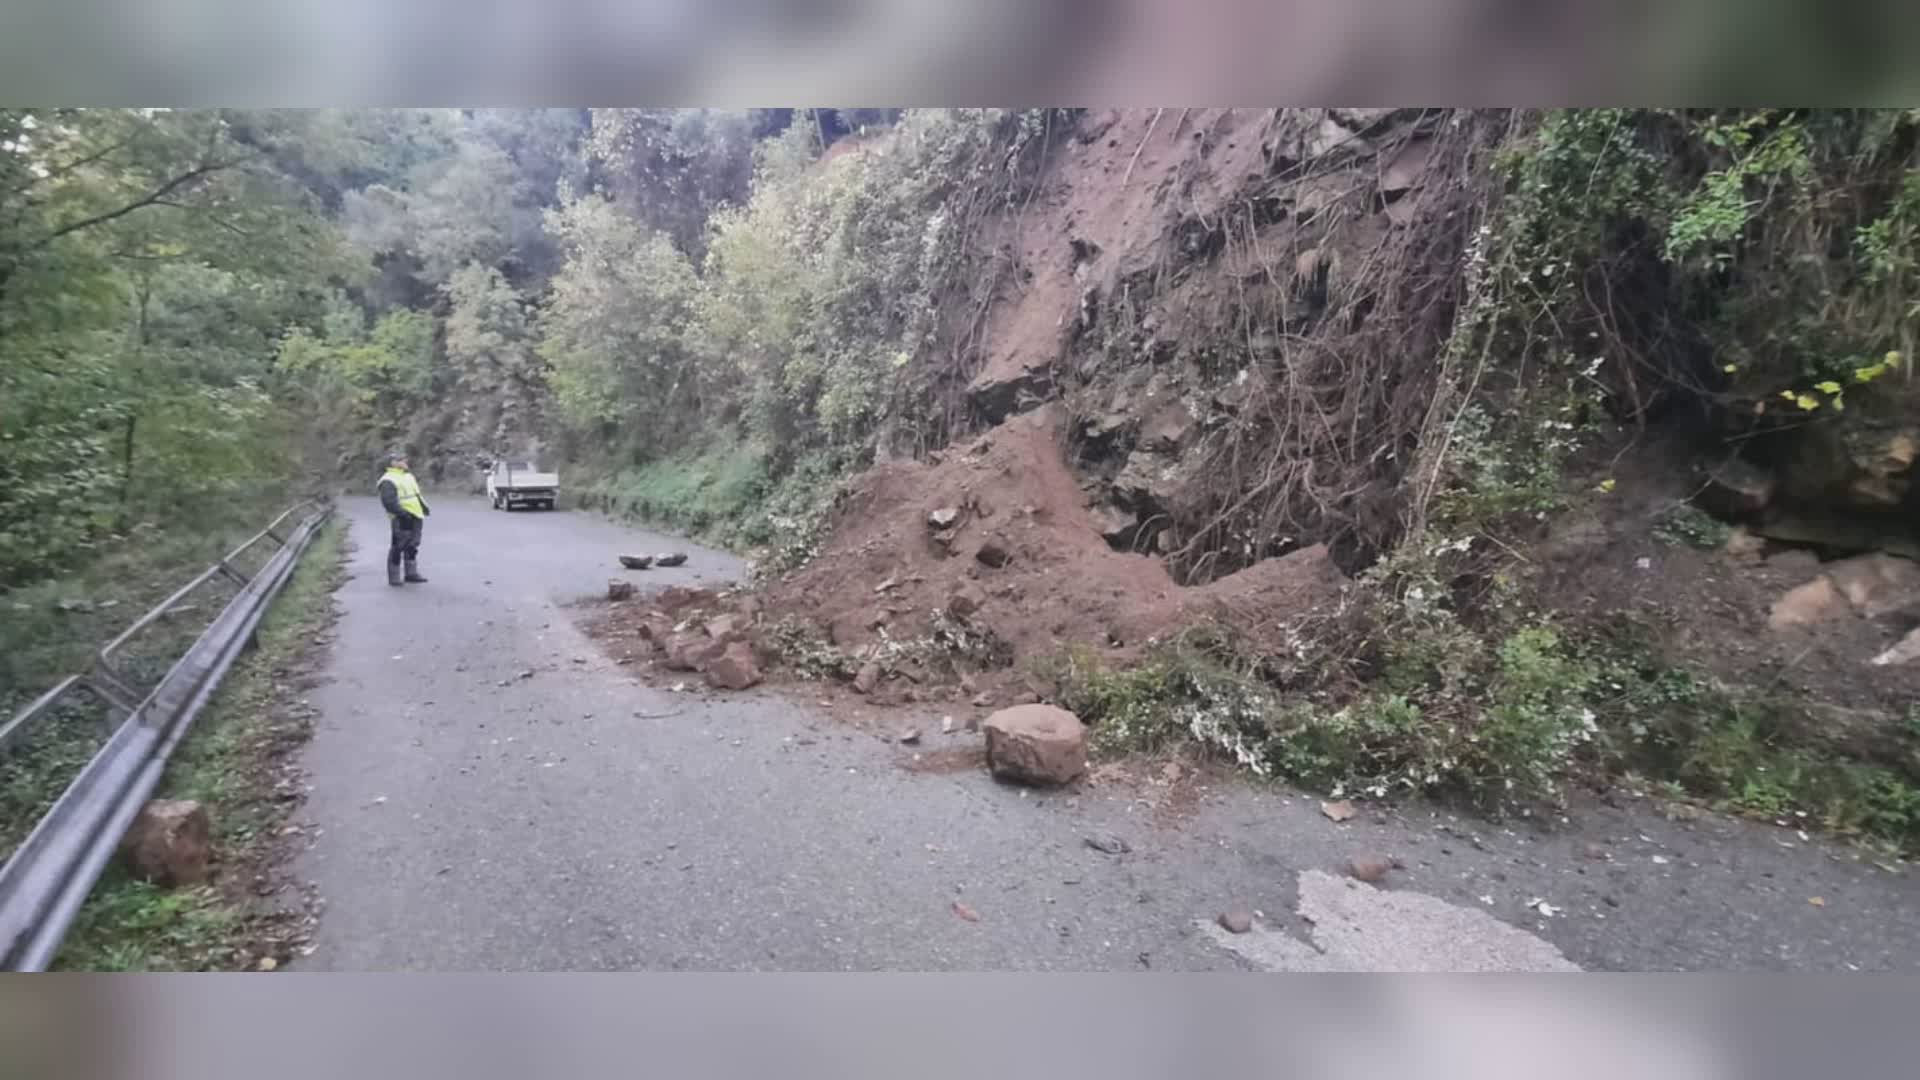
<point x="1817" y="901"/>
<point x="965" y="912"/>
<point x="1338" y="811"/>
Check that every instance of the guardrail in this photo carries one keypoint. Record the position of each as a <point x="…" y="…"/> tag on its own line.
<point x="49" y="876"/>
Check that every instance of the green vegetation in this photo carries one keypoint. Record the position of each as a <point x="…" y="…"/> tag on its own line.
<point x="148" y="262"/>
<point x="1503" y="733"/>
<point x="1499" y="735"/>
<point x="1633" y="259"/>
<point x="1687" y="525"/>
<point x="230" y="762"/>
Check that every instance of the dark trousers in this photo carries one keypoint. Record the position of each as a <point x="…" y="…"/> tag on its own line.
<point x="405" y="543"/>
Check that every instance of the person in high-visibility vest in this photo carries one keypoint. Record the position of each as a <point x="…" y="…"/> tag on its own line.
<point x="407" y="510"/>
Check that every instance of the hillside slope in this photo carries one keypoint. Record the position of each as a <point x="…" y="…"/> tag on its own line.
<point x="1421" y="449"/>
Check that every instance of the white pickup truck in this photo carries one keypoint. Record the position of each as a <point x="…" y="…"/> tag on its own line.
<point x="513" y="484"/>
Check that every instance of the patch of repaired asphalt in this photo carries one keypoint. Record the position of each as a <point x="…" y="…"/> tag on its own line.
<point x="1356" y="927"/>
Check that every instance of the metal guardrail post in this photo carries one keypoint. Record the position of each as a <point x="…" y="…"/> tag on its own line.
<point x="44" y="883"/>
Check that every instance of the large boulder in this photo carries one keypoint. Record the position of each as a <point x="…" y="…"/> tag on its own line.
<point x="1010" y="387"/>
<point x="1148" y="484"/>
<point x="1117" y="527"/>
<point x="1883" y="466"/>
<point x="1167" y="427"/>
<point x="1815" y="602"/>
<point x="734" y="668"/>
<point x="692" y="651"/>
<point x="1877" y="585"/>
<point x="1036" y="744"/>
<point x="169" y="843"/>
<point x="1736" y="488"/>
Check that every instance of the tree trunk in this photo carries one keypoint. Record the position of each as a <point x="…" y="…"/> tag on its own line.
<point x="125" y="515"/>
<point x="126" y="473"/>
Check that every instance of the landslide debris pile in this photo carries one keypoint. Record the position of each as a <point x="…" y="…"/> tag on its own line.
<point x="1436" y="422"/>
<point x="994" y="541"/>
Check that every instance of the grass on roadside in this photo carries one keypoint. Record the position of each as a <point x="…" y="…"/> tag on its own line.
<point x="50" y="631"/>
<point x="233" y="761"/>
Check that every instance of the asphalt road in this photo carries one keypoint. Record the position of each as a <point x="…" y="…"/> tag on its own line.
<point x="463" y="817"/>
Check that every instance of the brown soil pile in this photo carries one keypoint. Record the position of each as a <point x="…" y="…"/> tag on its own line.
<point x="888" y="571"/>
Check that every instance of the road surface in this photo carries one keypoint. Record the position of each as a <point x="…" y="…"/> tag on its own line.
<point x="465" y="818"/>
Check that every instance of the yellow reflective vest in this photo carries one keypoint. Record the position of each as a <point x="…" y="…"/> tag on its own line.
<point x="407" y="490"/>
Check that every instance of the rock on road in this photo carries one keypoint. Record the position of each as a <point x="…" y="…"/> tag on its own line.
<point x="578" y="819"/>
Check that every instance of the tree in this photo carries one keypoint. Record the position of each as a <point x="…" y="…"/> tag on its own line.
<point x="491" y="348"/>
<point x="670" y="168"/>
<point x="615" y="326"/>
<point x="147" y="261"/>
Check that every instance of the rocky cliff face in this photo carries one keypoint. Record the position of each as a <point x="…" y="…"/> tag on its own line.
<point x="1228" y="301"/>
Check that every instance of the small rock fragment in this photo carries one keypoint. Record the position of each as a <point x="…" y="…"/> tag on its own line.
<point x="867" y="678"/>
<point x="965" y="599"/>
<point x="636" y="562"/>
<point x="1108" y="844"/>
<point x="1904" y="651"/>
<point x="910" y="736"/>
<point x="1370" y="868"/>
<point x="619" y="590"/>
<point x="994" y="553"/>
<point x="946" y="725"/>
<point x="943" y="518"/>
<point x="965" y="912"/>
<point x="1236" y="920"/>
<point x="670" y="559"/>
<point x="1338" y="811"/>
<point x="1596" y="852"/>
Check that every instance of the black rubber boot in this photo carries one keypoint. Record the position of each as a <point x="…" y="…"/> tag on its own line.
<point x="393" y="573"/>
<point x="413" y="574"/>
